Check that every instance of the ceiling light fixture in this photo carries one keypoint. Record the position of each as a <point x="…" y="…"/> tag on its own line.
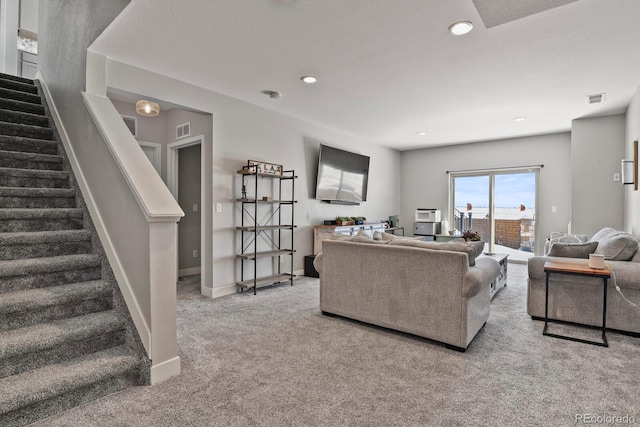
<point x="422" y="133"/>
<point x="519" y="119"/>
<point x="308" y="79"/>
<point x="147" y="108"/>
<point x="460" y="28"/>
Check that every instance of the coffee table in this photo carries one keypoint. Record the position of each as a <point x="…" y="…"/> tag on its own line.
<point x="576" y="270"/>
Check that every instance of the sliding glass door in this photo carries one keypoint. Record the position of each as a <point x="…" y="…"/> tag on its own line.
<point x="500" y="206"/>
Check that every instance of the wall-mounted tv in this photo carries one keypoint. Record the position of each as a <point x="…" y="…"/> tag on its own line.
<point x="342" y="176"/>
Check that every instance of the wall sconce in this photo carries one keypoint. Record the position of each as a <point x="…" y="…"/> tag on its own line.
<point x="147" y="108"/>
<point x="630" y="169"/>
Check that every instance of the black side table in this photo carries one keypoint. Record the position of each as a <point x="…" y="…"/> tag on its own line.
<point x="577" y="270"/>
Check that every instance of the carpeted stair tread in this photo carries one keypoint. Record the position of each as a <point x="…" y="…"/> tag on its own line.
<point x="34" y="173"/>
<point x="28" y="266"/>
<point x="36" y="192"/>
<point x="5" y="76"/>
<point x="23" y="213"/>
<point x="19" y="95"/>
<point x="55" y="295"/>
<point x="35" y="237"/>
<point x="28" y="145"/>
<point x="52" y="334"/>
<point x="50" y="381"/>
<point x="33" y="178"/>
<point x="36" y="157"/>
<point x="18" y="85"/>
<point x="22" y="117"/>
<point x="25" y="130"/>
<point x="26" y="107"/>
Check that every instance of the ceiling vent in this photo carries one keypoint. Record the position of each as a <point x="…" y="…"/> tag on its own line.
<point x="183" y="130"/>
<point x="596" y="99"/>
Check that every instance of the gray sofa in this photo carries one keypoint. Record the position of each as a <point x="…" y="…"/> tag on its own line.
<point x="579" y="299"/>
<point x="422" y="288"/>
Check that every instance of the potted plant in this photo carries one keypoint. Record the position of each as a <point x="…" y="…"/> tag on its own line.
<point x="471" y="236"/>
<point x="344" y="220"/>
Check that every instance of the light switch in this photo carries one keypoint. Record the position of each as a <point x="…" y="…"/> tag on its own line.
<point x="554" y="209"/>
<point x="218" y="207"/>
<point x="195" y="207"/>
<point x="616" y="177"/>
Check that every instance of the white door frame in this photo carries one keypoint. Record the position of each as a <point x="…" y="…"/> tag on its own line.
<point x="172" y="182"/>
<point x="157" y="154"/>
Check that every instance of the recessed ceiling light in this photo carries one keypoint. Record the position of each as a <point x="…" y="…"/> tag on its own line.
<point x="308" y="79"/>
<point x="460" y="28"/>
<point x="422" y="133"/>
<point x="519" y="119"/>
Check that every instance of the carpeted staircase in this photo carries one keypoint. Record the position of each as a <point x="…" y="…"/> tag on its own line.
<point x="65" y="335"/>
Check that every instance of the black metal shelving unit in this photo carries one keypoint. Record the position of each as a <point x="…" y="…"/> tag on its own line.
<point x="270" y="229"/>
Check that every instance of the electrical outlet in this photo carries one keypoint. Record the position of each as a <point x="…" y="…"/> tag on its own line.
<point x="218" y="207"/>
<point x="195" y="253"/>
<point x="195" y="207"/>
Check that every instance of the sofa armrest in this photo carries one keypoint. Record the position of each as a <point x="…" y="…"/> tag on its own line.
<point x="480" y="276"/>
<point x="626" y="273"/>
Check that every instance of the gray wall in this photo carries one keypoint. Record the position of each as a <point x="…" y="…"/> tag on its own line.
<point x="631" y="196"/>
<point x="66" y="29"/>
<point x="189" y="194"/>
<point x="597" y="146"/>
<point x="425" y="182"/>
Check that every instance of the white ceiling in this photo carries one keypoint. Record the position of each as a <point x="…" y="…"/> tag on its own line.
<point x="388" y="69"/>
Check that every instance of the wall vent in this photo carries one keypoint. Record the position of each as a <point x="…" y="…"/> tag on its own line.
<point x="183" y="130"/>
<point x="596" y="99"/>
<point x="132" y="124"/>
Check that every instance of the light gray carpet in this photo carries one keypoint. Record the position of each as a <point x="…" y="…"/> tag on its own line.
<point x="274" y="359"/>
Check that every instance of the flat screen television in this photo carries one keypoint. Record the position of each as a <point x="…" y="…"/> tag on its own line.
<point x="342" y="176"/>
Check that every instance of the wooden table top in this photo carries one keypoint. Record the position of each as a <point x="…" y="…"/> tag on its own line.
<point x="567" y="267"/>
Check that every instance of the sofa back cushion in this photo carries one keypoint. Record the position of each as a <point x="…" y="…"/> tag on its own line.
<point x="615" y="245"/>
<point x="440" y="246"/>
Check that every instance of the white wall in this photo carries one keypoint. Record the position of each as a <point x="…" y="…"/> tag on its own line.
<point x="9" y="18"/>
<point x="29" y="15"/>
<point x="597" y="146"/>
<point x="631" y="196"/>
<point x="425" y="182"/>
<point x="242" y="131"/>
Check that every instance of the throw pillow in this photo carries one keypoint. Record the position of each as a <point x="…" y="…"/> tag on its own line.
<point x="440" y="246"/>
<point x="618" y="247"/>
<point x="337" y="236"/>
<point x="364" y="239"/>
<point x="478" y="245"/>
<point x="573" y="250"/>
<point x="377" y="235"/>
<point x="389" y="237"/>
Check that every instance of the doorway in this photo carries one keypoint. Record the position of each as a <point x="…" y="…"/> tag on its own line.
<point x="185" y="181"/>
<point x="500" y="206"/>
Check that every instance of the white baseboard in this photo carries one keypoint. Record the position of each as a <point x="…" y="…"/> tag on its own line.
<point x="165" y="370"/>
<point x="189" y="271"/>
<point x="125" y="287"/>
<point x="298" y="273"/>
<point x="223" y="291"/>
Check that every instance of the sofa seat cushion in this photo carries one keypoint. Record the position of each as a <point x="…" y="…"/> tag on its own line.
<point x="440" y="246"/>
<point x="614" y="244"/>
<point x="573" y="250"/>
